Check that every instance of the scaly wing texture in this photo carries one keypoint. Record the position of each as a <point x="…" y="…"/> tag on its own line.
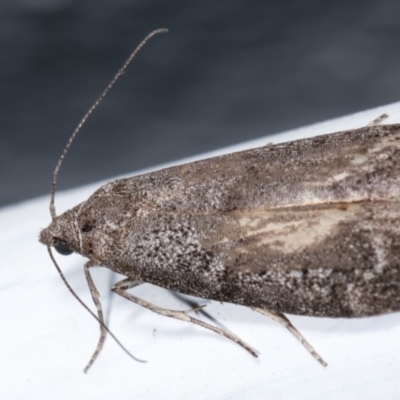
<point x="305" y="227"/>
<point x="338" y="259"/>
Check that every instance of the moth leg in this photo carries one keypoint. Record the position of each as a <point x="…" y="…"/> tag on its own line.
<point x="378" y="120"/>
<point x="197" y="308"/>
<point x="95" y="296"/>
<point x="121" y="287"/>
<point x="281" y="319"/>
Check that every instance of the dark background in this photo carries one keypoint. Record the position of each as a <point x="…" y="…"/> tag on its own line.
<point x="228" y="71"/>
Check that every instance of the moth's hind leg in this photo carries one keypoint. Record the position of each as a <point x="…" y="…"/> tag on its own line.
<point x="280" y="318"/>
<point x="378" y="120"/>
<point x="121" y="287"/>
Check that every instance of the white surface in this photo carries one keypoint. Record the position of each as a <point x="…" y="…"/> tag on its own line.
<point x="46" y="337"/>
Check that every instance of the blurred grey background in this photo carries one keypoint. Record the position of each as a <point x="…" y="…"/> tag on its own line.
<point x="228" y="71"/>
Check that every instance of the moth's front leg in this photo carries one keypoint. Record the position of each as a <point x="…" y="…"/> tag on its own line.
<point x="95" y="296"/>
<point x="121" y="287"/>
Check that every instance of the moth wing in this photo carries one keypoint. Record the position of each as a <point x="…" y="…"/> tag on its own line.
<point x="304" y="236"/>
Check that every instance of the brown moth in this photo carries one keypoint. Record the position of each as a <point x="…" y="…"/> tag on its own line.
<point x="309" y="227"/>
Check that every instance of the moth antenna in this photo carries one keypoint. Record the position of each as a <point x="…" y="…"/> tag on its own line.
<point x="89" y="310"/>
<point x="91" y="109"/>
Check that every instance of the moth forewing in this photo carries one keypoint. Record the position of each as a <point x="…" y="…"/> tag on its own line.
<point x="309" y="227"/>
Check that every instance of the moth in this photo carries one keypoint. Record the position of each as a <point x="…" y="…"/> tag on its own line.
<point x="309" y="227"/>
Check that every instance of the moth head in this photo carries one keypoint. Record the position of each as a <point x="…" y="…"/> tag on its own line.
<point x="62" y="234"/>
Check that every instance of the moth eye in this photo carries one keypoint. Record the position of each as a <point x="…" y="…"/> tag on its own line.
<point x="61" y="246"/>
